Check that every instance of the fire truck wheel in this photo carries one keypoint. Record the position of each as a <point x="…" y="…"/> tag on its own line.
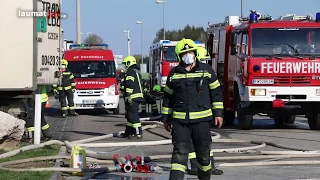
<point x="116" y="111"/>
<point x="314" y="121"/>
<point x="229" y="117"/>
<point x="244" y="119"/>
<point x="290" y="119"/>
<point x="285" y="119"/>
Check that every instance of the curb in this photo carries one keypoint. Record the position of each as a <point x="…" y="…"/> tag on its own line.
<point x="62" y="152"/>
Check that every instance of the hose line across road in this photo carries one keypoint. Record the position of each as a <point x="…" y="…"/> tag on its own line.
<point x="249" y="151"/>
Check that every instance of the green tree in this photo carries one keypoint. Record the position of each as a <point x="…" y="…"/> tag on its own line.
<point x="93" y="39"/>
<point x="191" y="32"/>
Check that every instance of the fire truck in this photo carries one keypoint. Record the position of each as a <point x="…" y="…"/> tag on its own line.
<point x="269" y="66"/>
<point x="162" y="59"/>
<point x="94" y="69"/>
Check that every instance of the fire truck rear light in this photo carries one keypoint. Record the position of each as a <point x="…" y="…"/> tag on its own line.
<point x="317" y="92"/>
<point x="258" y="92"/>
<point x="278" y="103"/>
<point x="318" y="17"/>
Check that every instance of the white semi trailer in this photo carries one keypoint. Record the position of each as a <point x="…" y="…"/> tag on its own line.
<point x="29" y="52"/>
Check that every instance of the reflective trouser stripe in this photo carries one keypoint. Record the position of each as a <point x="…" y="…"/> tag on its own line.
<point x="154" y="106"/>
<point x="64" y="108"/>
<point x="192" y="155"/>
<point x="135" y="125"/>
<point x="166" y="110"/>
<point x="45" y="127"/>
<point x="205" y="168"/>
<point x="178" y="167"/>
<point x="31" y="129"/>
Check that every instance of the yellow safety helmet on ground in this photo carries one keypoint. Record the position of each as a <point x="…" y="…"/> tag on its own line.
<point x="129" y="61"/>
<point x="202" y="54"/>
<point x="64" y="62"/>
<point x="185" y="45"/>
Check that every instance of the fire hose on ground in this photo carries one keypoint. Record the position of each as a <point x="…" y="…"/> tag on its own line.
<point x="105" y="158"/>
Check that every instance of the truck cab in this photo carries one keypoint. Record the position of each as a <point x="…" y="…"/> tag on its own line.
<point x="94" y="70"/>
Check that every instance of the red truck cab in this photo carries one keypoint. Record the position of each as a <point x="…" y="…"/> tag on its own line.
<point x="94" y="69"/>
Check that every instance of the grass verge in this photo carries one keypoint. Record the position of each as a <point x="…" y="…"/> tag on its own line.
<point x="45" y="151"/>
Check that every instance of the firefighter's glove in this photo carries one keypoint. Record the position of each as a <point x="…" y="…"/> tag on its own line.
<point x="56" y="96"/>
<point x="218" y="121"/>
<point x="168" y="126"/>
<point x="73" y="90"/>
<point x="55" y="91"/>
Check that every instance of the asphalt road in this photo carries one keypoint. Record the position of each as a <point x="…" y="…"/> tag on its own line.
<point x="94" y="123"/>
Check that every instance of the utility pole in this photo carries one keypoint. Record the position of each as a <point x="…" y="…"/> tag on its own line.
<point x="78" y="22"/>
<point x="241" y="9"/>
<point x="128" y="40"/>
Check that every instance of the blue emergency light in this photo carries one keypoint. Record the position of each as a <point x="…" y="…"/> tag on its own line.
<point x="256" y="68"/>
<point x="197" y="42"/>
<point x="73" y="46"/>
<point x="318" y="17"/>
<point x="253" y="17"/>
<point x="166" y="42"/>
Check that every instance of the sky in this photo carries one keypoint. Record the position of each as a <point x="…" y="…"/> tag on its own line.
<point x="109" y="18"/>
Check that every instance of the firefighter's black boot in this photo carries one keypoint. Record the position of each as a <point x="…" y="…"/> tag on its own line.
<point x="194" y="166"/>
<point x="215" y="171"/>
<point x="47" y="135"/>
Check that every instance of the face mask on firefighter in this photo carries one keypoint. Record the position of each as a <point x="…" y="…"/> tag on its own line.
<point x="188" y="58"/>
<point x="63" y="67"/>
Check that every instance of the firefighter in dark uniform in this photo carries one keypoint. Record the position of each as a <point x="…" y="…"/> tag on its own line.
<point x="192" y="95"/>
<point x="47" y="135"/>
<point x="202" y="55"/>
<point x="149" y="100"/>
<point x="133" y="98"/>
<point x="66" y="90"/>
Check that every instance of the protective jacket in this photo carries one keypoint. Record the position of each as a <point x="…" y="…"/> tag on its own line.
<point x="67" y="81"/>
<point x="133" y="85"/>
<point x="192" y="96"/>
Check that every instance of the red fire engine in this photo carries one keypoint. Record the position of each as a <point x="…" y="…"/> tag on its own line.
<point x="268" y="66"/>
<point x="162" y="59"/>
<point x="94" y="69"/>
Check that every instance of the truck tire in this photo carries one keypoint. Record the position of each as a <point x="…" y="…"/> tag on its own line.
<point x="314" y="121"/>
<point x="229" y="117"/>
<point x="117" y="110"/>
<point x="285" y="119"/>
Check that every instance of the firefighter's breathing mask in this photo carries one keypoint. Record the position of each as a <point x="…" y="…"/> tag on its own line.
<point x="188" y="58"/>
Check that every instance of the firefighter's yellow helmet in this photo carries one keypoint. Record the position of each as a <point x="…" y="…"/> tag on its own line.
<point x="64" y="62"/>
<point x="202" y="54"/>
<point x="185" y="45"/>
<point x="129" y="61"/>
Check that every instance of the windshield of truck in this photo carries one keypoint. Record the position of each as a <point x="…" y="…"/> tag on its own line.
<point x="169" y="53"/>
<point x="92" y="69"/>
<point x="285" y="42"/>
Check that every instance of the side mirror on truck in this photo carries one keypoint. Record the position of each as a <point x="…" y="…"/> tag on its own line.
<point x="233" y="44"/>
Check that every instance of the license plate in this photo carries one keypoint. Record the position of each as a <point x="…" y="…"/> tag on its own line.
<point x="262" y="81"/>
<point x="89" y="101"/>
